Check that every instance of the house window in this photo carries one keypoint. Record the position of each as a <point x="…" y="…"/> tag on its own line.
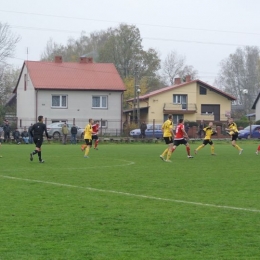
<point x="176" y="119"/>
<point x="203" y="91"/>
<point x="99" y="101"/>
<point x="180" y="99"/>
<point x="25" y="82"/>
<point x="59" y="101"/>
<point x="104" y="124"/>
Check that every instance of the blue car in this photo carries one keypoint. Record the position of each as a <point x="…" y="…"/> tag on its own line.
<point x="152" y="131"/>
<point x="245" y="133"/>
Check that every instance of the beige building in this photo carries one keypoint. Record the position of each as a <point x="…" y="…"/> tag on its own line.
<point x="193" y="100"/>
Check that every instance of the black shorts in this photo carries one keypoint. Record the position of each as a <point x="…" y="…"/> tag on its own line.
<point x="207" y="141"/>
<point x="180" y="141"/>
<point x="38" y="141"/>
<point x="94" y="137"/>
<point x="168" y="140"/>
<point x="88" y="141"/>
<point x="234" y="136"/>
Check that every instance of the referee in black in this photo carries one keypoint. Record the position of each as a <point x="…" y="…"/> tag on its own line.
<point x="37" y="132"/>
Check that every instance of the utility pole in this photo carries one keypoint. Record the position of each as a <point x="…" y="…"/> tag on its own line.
<point x="138" y="106"/>
<point x="135" y="93"/>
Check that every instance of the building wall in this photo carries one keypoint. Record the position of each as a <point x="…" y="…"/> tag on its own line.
<point x="156" y="103"/>
<point x="25" y="98"/>
<point x="257" y="110"/>
<point x="80" y="107"/>
<point x="32" y="103"/>
<point x="212" y="98"/>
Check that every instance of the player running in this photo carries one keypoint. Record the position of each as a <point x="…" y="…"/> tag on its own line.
<point x="233" y="132"/>
<point x="207" y="139"/>
<point x="168" y="136"/>
<point x="95" y="130"/>
<point x="37" y="132"/>
<point x="180" y="135"/>
<point x="87" y="138"/>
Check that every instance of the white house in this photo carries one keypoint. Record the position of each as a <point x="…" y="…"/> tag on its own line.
<point x="256" y="106"/>
<point x="71" y="92"/>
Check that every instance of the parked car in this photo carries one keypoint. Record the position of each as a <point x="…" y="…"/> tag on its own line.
<point x="151" y="131"/>
<point x="54" y="130"/>
<point x="245" y="133"/>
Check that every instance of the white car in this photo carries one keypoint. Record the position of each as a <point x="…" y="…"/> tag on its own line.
<point x="54" y="130"/>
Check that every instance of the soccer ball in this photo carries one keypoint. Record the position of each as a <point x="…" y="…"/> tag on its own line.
<point x="245" y="91"/>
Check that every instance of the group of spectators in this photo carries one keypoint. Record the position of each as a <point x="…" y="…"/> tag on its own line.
<point x="6" y="133"/>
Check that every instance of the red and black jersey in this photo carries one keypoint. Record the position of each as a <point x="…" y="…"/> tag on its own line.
<point x="95" y="129"/>
<point x="179" y="132"/>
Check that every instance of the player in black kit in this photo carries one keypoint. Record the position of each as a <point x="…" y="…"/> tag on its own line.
<point x="37" y="131"/>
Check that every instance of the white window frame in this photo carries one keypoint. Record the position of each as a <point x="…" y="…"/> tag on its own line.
<point x="60" y="105"/>
<point x="100" y="101"/>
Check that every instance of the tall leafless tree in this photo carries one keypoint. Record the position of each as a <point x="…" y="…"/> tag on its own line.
<point x="8" y="42"/>
<point x="241" y="71"/>
<point x="174" y="66"/>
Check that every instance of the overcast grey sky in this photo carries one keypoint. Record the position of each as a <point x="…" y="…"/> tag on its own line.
<point x="205" y="31"/>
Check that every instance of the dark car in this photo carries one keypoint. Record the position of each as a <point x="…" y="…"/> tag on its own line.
<point x="245" y="133"/>
<point x="152" y="131"/>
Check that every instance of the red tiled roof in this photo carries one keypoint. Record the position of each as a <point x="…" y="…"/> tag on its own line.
<point x="161" y="90"/>
<point x="74" y="76"/>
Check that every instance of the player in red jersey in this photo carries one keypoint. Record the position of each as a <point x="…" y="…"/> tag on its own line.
<point x="180" y="136"/>
<point x="95" y="129"/>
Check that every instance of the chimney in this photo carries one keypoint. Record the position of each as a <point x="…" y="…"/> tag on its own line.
<point x="188" y="78"/>
<point x="85" y="60"/>
<point x="177" y="81"/>
<point x="58" y="59"/>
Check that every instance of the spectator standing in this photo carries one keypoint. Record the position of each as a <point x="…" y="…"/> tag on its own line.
<point x="25" y="136"/>
<point x="7" y="130"/>
<point x="73" y="132"/>
<point x="65" y="131"/>
<point x="30" y="136"/>
<point x="143" y="127"/>
<point x="17" y="136"/>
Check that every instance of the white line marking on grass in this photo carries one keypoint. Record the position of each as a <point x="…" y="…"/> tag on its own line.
<point x="104" y="166"/>
<point x="131" y="194"/>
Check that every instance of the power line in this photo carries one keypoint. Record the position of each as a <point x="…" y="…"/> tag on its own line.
<point x="143" y="24"/>
<point x="147" y="38"/>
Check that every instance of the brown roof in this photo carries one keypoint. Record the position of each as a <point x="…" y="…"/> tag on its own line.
<point x="74" y="76"/>
<point x="158" y="91"/>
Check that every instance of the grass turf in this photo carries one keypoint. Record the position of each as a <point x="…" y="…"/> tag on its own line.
<point x="125" y="203"/>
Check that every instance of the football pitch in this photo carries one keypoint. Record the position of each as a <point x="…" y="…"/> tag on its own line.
<point x="125" y="203"/>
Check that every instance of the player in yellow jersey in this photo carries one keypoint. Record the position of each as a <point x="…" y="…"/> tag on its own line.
<point x="87" y="138"/>
<point x="168" y="136"/>
<point x="233" y="132"/>
<point x="207" y="139"/>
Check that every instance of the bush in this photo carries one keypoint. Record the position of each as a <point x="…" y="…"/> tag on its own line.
<point x="257" y="122"/>
<point x="242" y="123"/>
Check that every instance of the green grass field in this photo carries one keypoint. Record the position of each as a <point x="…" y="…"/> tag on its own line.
<point x="125" y="203"/>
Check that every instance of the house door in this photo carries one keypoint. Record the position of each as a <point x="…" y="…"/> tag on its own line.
<point x="211" y="109"/>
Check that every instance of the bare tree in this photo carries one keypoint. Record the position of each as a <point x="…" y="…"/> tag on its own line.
<point x="188" y="70"/>
<point x="172" y="66"/>
<point x="8" y="42"/>
<point x="239" y="75"/>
